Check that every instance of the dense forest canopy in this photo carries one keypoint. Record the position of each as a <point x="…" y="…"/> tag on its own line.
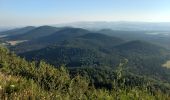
<point x="76" y="63"/>
<point x="37" y="80"/>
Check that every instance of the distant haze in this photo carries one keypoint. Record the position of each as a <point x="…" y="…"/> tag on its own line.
<point x="134" y="26"/>
<point x="43" y="12"/>
<point x="159" y="27"/>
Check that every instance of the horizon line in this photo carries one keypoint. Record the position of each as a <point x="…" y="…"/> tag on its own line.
<point x="73" y="22"/>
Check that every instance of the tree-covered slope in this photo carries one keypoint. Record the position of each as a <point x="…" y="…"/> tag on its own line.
<point x="76" y="47"/>
<point x="140" y="47"/>
<point x="144" y="58"/>
<point x="71" y="56"/>
<point x="30" y="80"/>
<point x="86" y="49"/>
<point x="102" y="40"/>
<point x="41" y="42"/>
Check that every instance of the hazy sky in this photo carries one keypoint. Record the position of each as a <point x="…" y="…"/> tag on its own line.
<point x="37" y="12"/>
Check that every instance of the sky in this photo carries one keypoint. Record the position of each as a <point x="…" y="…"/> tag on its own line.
<point x="43" y="12"/>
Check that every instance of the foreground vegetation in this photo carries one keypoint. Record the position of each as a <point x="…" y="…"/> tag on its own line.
<point x="37" y="80"/>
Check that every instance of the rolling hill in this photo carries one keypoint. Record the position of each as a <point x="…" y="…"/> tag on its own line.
<point x="144" y="58"/>
<point x="76" y="47"/>
<point x="93" y="54"/>
<point x="66" y="34"/>
<point x="161" y="38"/>
<point x="140" y="47"/>
<point x="17" y="31"/>
<point x="35" y="33"/>
<point x="90" y="47"/>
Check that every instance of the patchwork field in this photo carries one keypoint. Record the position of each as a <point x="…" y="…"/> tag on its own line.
<point x="13" y="43"/>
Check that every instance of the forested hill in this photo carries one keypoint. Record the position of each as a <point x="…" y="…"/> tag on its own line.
<point x="76" y="47"/>
<point x="144" y="58"/>
<point x="37" y="80"/>
<point x="104" y="60"/>
<point x="48" y="39"/>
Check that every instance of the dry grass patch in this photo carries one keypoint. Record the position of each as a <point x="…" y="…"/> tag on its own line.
<point x="167" y="64"/>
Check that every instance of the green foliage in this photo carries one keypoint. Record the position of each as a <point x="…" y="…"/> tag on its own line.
<point x="37" y="80"/>
<point x="94" y="49"/>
